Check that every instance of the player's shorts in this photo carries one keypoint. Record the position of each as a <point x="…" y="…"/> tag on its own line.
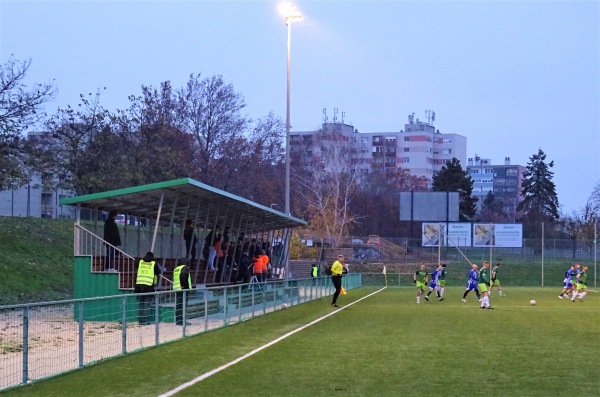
<point x="433" y="286"/>
<point x="581" y="287"/>
<point x="495" y="282"/>
<point x="442" y="283"/>
<point x="421" y="285"/>
<point x="471" y="287"/>
<point x="482" y="287"/>
<point x="567" y="283"/>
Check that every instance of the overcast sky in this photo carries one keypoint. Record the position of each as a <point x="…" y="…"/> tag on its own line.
<point x="511" y="76"/>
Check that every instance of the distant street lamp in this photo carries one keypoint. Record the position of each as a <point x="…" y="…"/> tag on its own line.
<point x="291" y="13"/>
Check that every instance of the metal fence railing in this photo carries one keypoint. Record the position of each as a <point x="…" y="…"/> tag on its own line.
<point x="45" y="339"/>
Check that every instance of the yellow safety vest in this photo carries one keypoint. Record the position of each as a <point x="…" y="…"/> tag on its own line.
<point x="145" y="273"/>
<point x="176" y="278"/>
<point x="315" y="271"/>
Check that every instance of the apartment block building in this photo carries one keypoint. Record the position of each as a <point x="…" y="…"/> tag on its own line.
<point x="418" y="147"/>
<point x="32" y="199"/>
<point x="503" y="180"/>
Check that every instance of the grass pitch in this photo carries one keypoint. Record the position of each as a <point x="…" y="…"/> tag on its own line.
<point x="384" y="345"/>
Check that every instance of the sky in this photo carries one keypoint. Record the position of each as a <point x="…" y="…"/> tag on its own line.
<point x="511" y="76"/>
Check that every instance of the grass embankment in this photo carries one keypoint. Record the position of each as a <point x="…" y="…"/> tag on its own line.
<point x="36" y="260"/>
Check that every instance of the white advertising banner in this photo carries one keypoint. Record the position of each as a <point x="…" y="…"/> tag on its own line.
<point x="458" y="235"/>
<point x="431" y="233"/>
<point x="509" y="235"/>
<point x="497" y="235"/>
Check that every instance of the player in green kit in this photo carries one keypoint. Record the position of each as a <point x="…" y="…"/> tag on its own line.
<point x="442" y="280"/>
<point x="484" y="283"/>
<point x="495" y="280"/>
<point x="582" y="288"/>
<point x="420" y="279"/>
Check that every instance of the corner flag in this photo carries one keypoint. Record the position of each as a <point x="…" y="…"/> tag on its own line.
<point x="385" y="275"/>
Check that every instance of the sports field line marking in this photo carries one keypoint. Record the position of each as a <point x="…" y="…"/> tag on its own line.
<point x="253" y="352"/>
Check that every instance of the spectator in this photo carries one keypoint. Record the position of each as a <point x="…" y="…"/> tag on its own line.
<point x="182" y="281"/>
<point x="314" y="271"/>
<point x="244" y="268"/>
<point x="265" y="265"/>
<point x="214" y="249"/>
<point x="189" y="235"/>
<point x="112" y="239"/>
<point x="147" y="276"/>
<point x="258" y="267"/>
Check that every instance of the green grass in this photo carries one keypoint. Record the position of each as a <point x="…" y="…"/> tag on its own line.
<point x="385" y="345"/>
<point x="36" y="255"/>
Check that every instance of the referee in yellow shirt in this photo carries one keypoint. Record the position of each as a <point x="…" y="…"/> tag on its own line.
<point x="336" y="277"/>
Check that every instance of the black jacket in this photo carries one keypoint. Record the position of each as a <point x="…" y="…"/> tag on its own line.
<point x="111" y="232"/>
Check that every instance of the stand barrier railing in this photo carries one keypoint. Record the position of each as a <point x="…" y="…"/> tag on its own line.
<point x="41" y="340"/>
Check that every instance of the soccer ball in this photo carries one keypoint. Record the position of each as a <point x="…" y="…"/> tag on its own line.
<point x="284" y="306"/>
<point x="532" y="302"/>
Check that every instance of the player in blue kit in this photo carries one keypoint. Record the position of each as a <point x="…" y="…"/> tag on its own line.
<point x="472" y="283"/>
<point x="433" y="285"/>
<point x="568" y="284"/>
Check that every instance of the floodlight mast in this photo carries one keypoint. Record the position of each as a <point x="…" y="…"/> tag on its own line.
<point x="290" y="13"/>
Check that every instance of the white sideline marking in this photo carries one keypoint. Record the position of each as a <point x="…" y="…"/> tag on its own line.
<point x="253" y="352"/>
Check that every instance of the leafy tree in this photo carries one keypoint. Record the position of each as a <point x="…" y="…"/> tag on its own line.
<point x="492" y="209"/>
<point x="210" y="110"/>
<point x="154" y="146"/>
<point x="260" y="163"/>
<point x="452" y="178"/>
<point x="76" y="151"/>
<point x="540" y="202"/>
<point x="383" y="219"/>
<point x="20" y="108"/>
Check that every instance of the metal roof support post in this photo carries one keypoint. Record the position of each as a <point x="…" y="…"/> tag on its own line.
<point x="203" y="243"/>
<point x="160" y="204"/>
<point x="183" y="225"/>
<point x="282" y="233"/>
<point x="172" y="234"/>
<point x="212" y="242"/>
<point x="236" y="254"/>
<point x="220" y="280"/>
<point x="286" y="252"/>
<point x="194" y="235"/>
<point x="76" y="235"/>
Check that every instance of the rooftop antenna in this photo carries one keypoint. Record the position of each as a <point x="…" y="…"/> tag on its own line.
<point x="343" y="114"/>
<point x="324" y="115"/>
<point x="335" y="112"/>
<point x="430" y="114"/>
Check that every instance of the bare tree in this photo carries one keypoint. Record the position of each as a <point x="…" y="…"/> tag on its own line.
<point x="326" y="188"/>
<point x="20" y="108"/>
<point x="210" y="111"/>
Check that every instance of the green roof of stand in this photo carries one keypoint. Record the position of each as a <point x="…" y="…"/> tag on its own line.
<point x="181" y="199"/>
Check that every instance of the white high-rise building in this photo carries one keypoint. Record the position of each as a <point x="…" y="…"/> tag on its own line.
<point x="418" y="148"/>
<point x="503" y="180"/>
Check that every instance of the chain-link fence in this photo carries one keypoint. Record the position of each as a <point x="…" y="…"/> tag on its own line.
<point x="45" y="339"/>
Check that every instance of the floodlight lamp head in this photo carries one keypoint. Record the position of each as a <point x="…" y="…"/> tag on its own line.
<point x="290" y="12"/>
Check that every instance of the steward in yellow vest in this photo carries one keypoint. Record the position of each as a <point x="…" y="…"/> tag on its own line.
<point x="147" y="274"/>
<point x="181" y="281"/>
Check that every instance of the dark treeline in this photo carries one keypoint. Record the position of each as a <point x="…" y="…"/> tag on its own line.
<point x="200" y="131"/>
